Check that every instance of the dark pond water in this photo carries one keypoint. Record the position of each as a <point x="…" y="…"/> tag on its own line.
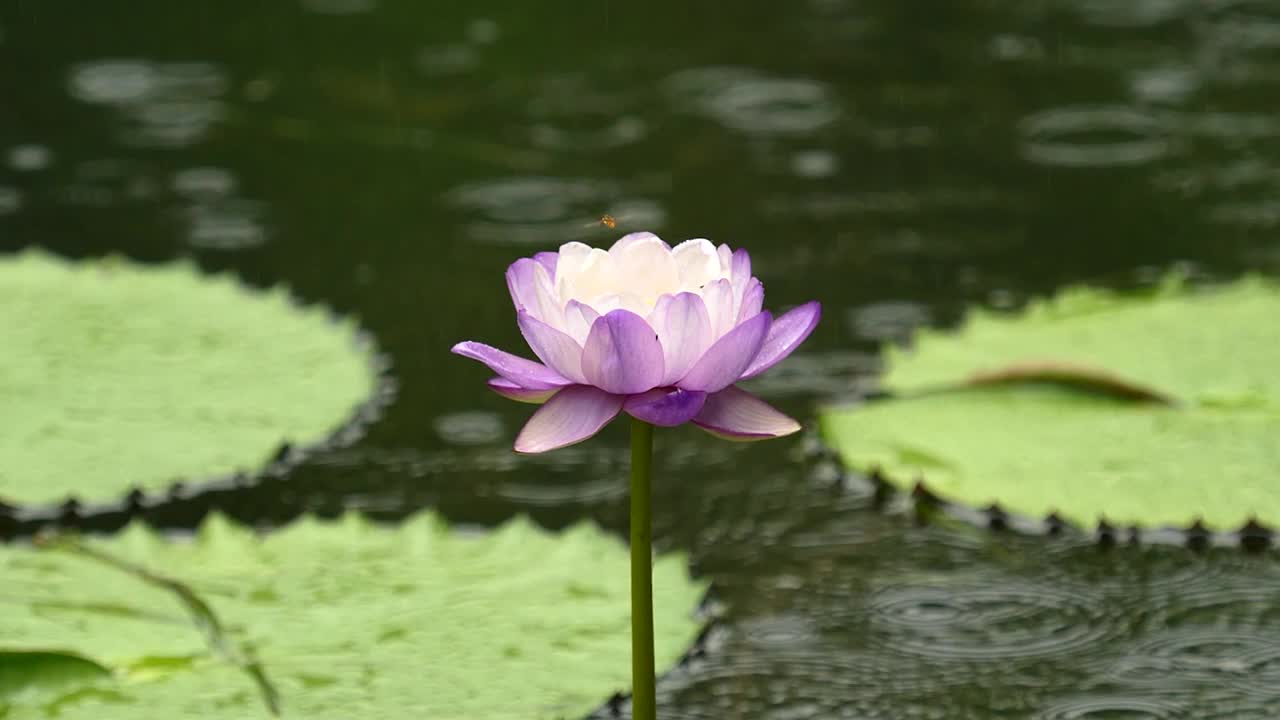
<point x="898" y="160"/>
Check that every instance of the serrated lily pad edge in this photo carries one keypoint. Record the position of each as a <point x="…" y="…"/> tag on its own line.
<point x="22" y="521"/>
<point x="708" y="613"/>
<point x="916" y="497"/>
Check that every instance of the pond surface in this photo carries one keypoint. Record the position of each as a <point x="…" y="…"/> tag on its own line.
<point x="897" y="160"/>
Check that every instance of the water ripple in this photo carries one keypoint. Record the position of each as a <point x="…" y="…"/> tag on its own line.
<point x="821" y="374"/>
<point x="547" y="211"/>
<point x="1246" y="662"/>
<point x="1098" y="707"/>
<point x="204" y="183"/>
<point x="1132" y="13"/>
<point x="473" y="427"/>
<point x="339" y="7"/>
<point x="104" y="182"/>
<point x="744" y="100"/>
<point x="230" y="224"/>
<point x="165" y="104"/>
<point x="1169" y="84"/>
<point x="888" y="321"/>
<point x="1094" y="137"/>
<point x="573" y="113"/>
<point x="984" y="624"/>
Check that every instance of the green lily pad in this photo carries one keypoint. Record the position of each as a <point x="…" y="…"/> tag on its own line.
<point x="347" y="619"/>
<point x="1211" y="347"/>
<point x="1058" y="409"/>
<point x="118" y="375"/>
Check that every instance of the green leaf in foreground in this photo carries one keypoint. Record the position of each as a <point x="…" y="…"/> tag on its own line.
<point x="1062" y="409"/>
<point x="349" y="619"/>
<point x="118" y="375"/>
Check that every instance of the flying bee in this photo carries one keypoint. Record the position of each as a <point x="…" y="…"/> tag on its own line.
<point x="608" y="221"/>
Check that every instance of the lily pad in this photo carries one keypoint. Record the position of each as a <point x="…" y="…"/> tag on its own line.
<point x="1147" y="410"/>
<point x="1216" y="346"/>
<point x="346" y="619"/>
<point x="118" y="375"/>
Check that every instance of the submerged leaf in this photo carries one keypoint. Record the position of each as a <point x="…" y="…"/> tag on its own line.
<point x="348" y="618"/>
<point x="1150" y="411"/>
<point x="118" y="375"/>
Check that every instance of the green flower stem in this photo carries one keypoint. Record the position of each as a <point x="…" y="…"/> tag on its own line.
<point x="643" y="694"/>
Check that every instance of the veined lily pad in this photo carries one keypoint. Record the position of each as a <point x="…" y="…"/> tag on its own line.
<point x="347" y="619"/>
<point x="118" y="375"/>
<point x="1090" y="445"/>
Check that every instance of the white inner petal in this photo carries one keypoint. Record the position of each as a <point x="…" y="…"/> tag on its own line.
<point x="635" y="272"/>
<point x="646" y="269"/>
<point x="699" y="263"/>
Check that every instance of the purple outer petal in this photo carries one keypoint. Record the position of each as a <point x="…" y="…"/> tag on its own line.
<point x="666" y="407"/>
<point x="684" y="329"/>
<point x="752" y="301"/>
<point x="572" y="415"/>
<point x="579" y="317"/>
<point x="622" y="354"/>
<point x="513" y="391"/>
<point x="735" y="414"/>
<point x="740" y="269"/>
<point x="548" y="260"/>
<point x="521" y="280"/>
<point x="525" y="373"/>
<point x="559" y="351"/>
<point x="724" y="362"/>
<point x="785" y="336"/>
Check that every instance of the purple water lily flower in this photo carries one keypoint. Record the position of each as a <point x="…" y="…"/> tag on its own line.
<point x="661" y="333"/>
